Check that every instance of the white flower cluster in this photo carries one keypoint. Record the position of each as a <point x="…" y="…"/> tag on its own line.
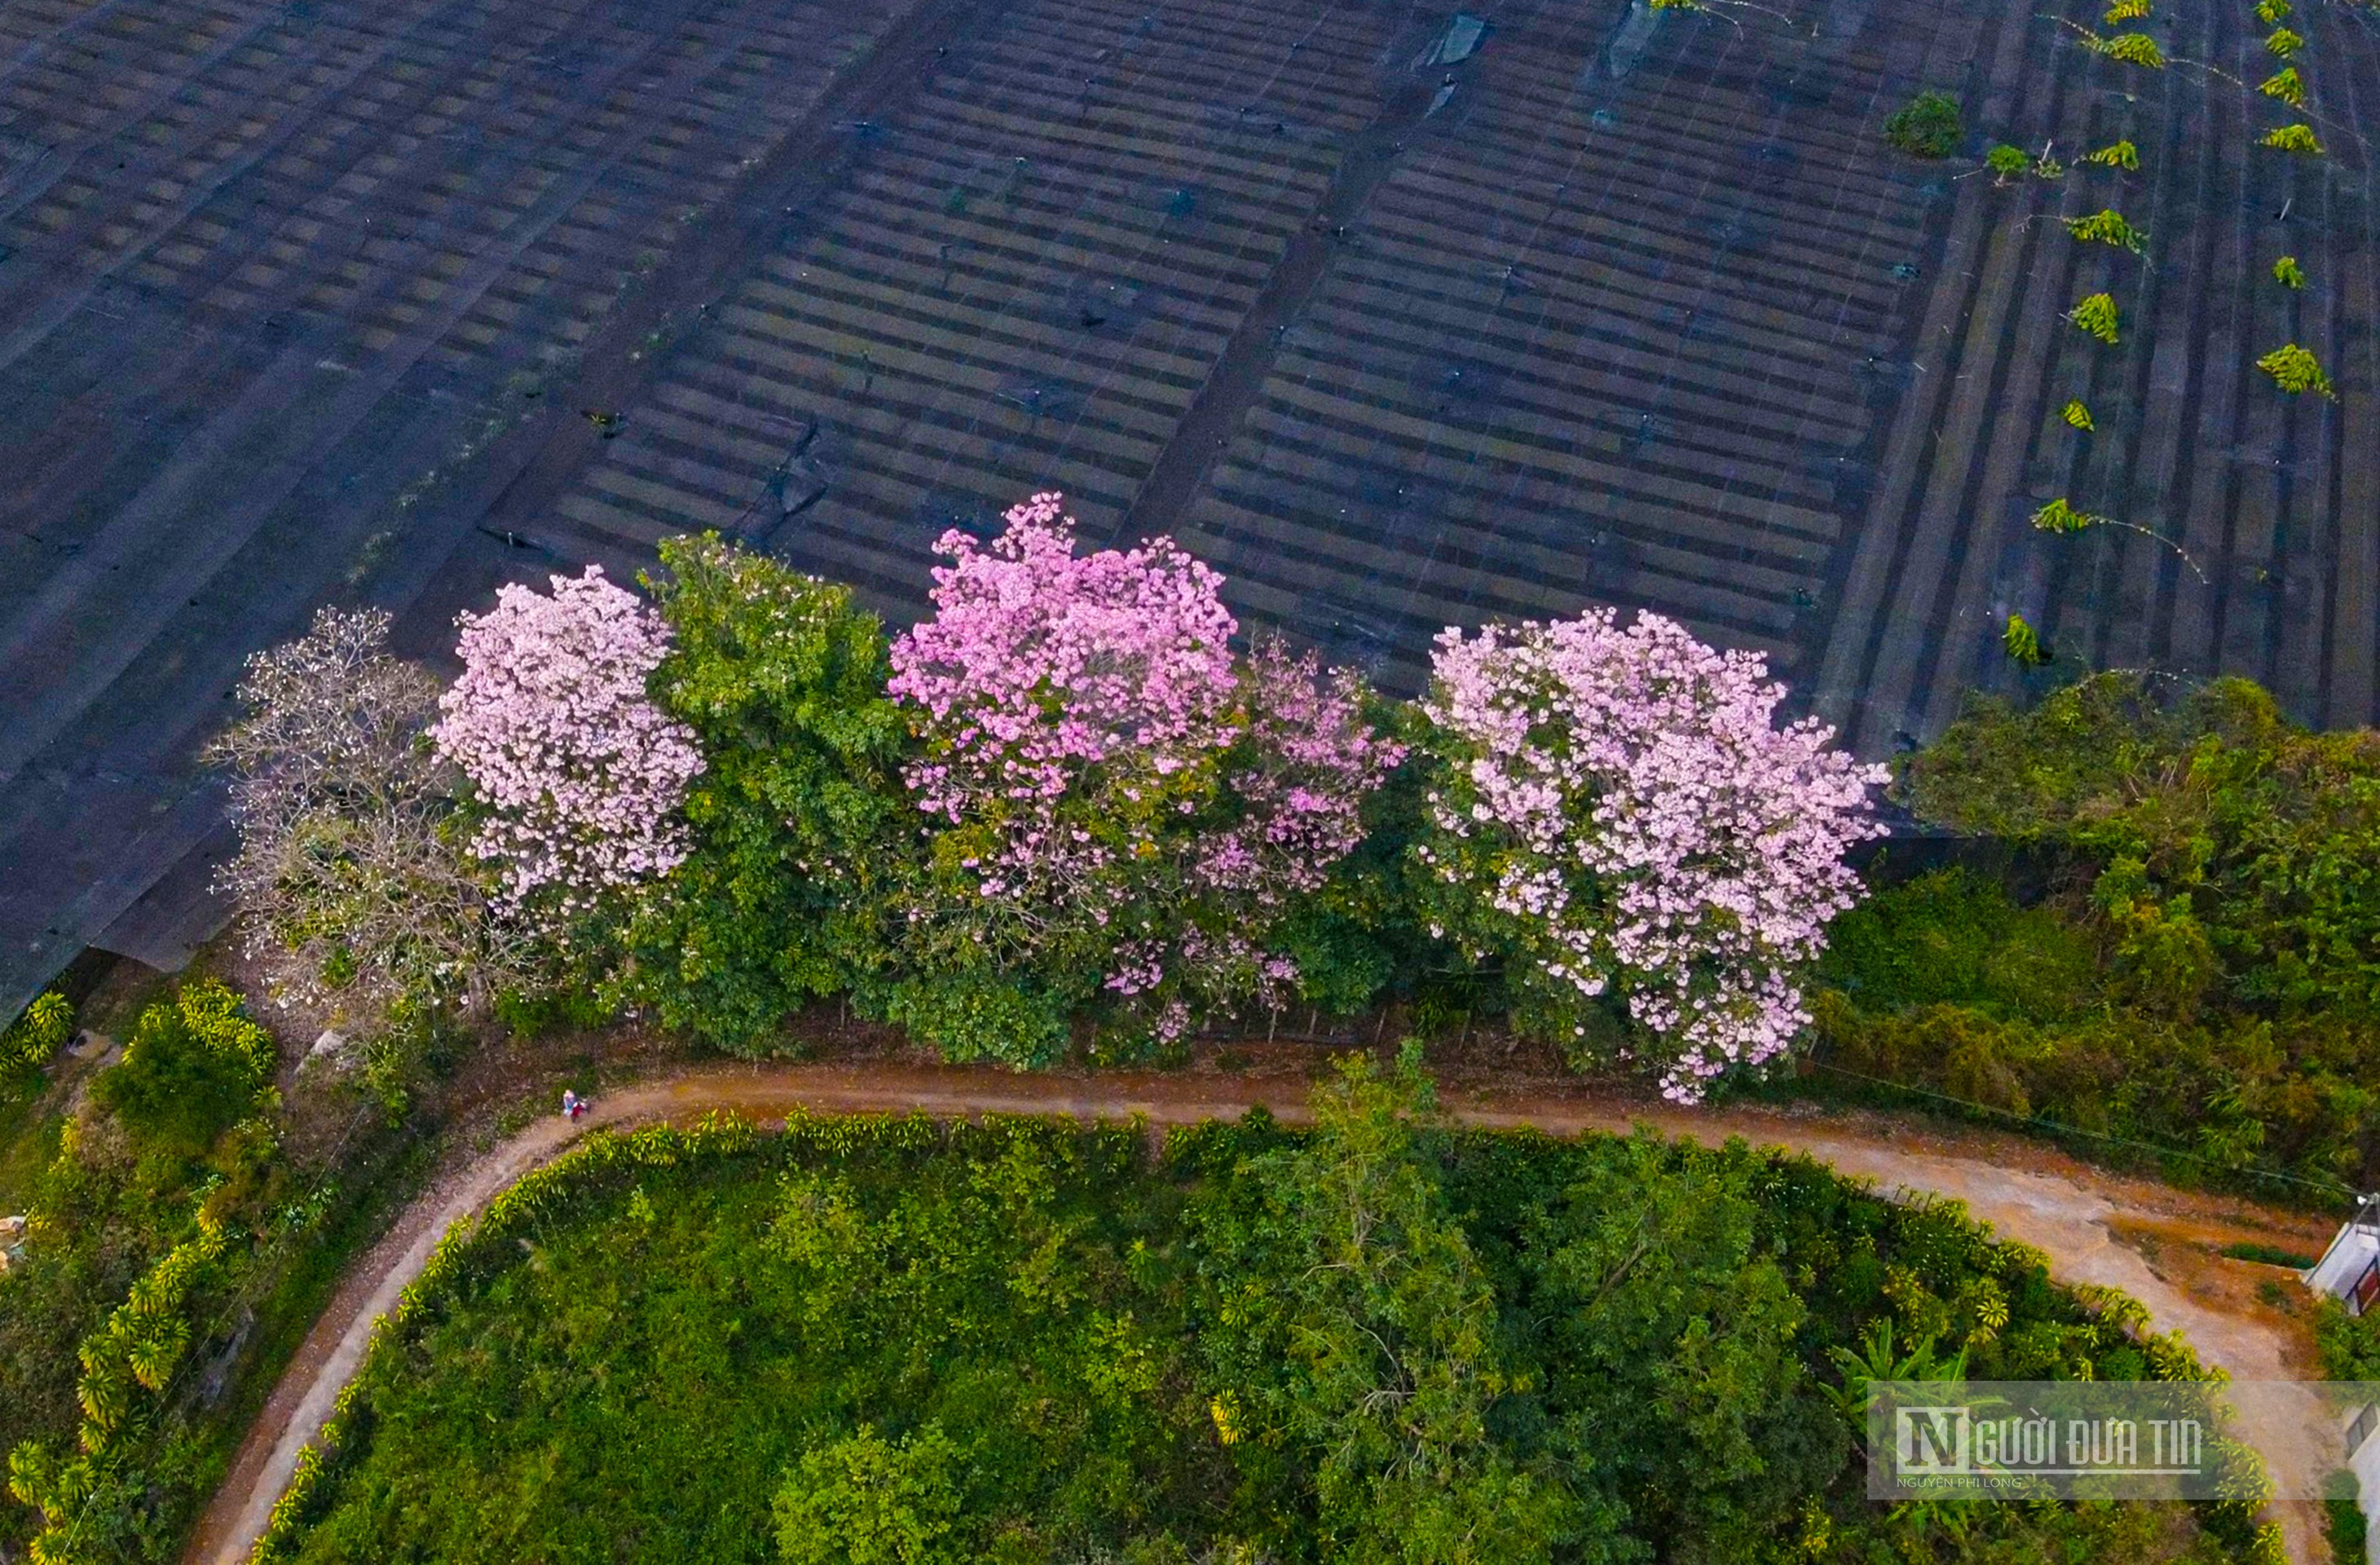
<point x="1618" y="807"/>
<point x="580" y="773"/>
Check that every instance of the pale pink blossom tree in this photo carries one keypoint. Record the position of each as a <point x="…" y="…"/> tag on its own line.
<point x="578" y="775"/>
<point x="1112" y="795"/>
<point x="1617" y="814"/>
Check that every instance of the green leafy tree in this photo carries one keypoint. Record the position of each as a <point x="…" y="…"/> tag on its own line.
<point x="2118" y="155"/>
<point x="1673" y="1330"/>
<point x="2288" y="274"/>
<point x="2281" y="43"/>
<point x="2297" y="138"/>
<point x="866" y="1500"/>
<point x="2009" y="162"/>
<point x="2285" y="84"/>
<point x="2076" y="414"/>
<point x="1926" y="126"/>
<point x="798" y="816"/>
<point x="1369" y="1337"/>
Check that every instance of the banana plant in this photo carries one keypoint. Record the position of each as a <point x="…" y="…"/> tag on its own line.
<point x="2106" y="226"/>
<point x="2296" y="370"/>
<point x="2023" y="644"/>
<point x="2096" y="313"/>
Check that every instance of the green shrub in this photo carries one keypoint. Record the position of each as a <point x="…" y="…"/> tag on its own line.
<point x="2061" y="515"/>
<point x="161" y="1289"/>
<point x="982" y="1014"/>
<point x="1926" y="127"/>
<point x="1957" y="937"/>
<point x="2268" y="1255"/>
<point x="2349" y="1344"/>
<point x="194" y="1066"/>
<point x="2343" y="1524"/>
<point x="866" y="1500"/>
<point x="32" y="1039"/>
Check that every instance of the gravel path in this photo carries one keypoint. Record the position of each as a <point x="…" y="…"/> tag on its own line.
<point x="2080" y="1218"/>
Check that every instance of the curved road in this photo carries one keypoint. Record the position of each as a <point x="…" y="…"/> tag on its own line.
<point x="2026" y="1192"/>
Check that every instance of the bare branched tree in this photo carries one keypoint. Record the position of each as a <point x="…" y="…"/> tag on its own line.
<point x="351" y="871"/>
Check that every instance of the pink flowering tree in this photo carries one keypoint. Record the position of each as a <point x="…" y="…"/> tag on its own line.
<point x="1617" y="815"/>
<point x="1117" y="805"/>
<point x="578" y="775"/>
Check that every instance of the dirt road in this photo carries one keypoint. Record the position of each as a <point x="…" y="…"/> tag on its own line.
<point x="2147" y="1239"/>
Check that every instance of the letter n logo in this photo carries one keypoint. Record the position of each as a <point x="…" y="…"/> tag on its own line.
<point x="1930" y="1439"/>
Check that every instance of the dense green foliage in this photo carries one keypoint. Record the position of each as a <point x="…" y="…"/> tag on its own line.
<point x="2199" y="965"/>
<point x="172" y="1247"/>
<point x="2343" y="1523"/>
<point x="2350" y="1344"/>
<point x="898" y="1341"/>
<point x="194" y="1066"/>
<point x="799" y="822"/>
<point x="1926" y="127"/>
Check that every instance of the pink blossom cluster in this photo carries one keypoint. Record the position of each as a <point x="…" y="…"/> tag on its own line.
<point x="580" y="774"/>
<point x="1620" y="806"/>
<point x="1096" y="760"/>
<point x="1300" y="778"/>
<point x="1228" y="963"/>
